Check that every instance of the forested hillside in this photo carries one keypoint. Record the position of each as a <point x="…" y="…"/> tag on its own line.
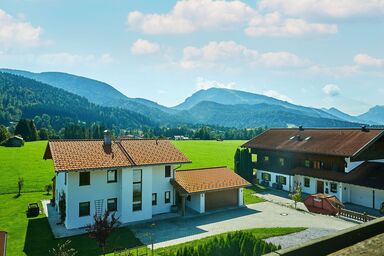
<point x="26" y="98"/>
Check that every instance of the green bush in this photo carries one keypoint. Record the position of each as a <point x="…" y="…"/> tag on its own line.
<point x="240" y="243"/>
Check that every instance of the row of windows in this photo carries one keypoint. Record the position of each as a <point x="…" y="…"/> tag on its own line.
<point x="167" y="197"/>
<point x="85" y="207"/>
<point x="333" y="185"/>
<point x="85" y="177"/>
<point x="279" y="178"/>
<point x="307" y="163"/>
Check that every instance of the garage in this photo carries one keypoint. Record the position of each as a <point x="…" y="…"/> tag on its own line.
<point x="221" y="199"/>
<point x="361" y="196"/>
<point x="209" y="189"/>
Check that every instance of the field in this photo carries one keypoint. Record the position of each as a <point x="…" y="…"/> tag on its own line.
<point x="209" y="153"/>
<point x="33" y="236"/>
<point x="26" y="162"/>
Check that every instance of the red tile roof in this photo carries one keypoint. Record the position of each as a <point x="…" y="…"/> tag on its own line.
<point x="207" y="179"/>
<point x="339" y="142"/>
<point x="71" y="155"/>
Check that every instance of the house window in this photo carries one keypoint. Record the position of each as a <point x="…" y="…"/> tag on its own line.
<point x="84" y="209"/>
<point x="266" y="176"/>
<point x="167" y="171"/>
<point x="112" y="176"/>
<point x="189" y="197"/>
<point x="65" y="178"/>
<point x="167" y="197"/>
<point x="307" y="163"/>
<point x="306" y="182"/>
<point x="154" y="198"/>
<point x="84" y="178"/>
<point x="137" y="190"/>
<point x="281" y="180"/>
<point x="333" y="187"/>
<point x="317" y="164"/>
<point x="266" y="158"/>
<point x="281" y="161"/>
<point x="112" y="204"/>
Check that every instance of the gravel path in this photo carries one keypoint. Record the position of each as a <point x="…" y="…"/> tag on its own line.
<point x="299" y="237"/>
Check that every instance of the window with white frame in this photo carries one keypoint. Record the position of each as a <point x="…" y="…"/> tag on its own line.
<point x="111" y="176"/>
<point x="137" y="190"/>
<point x="307" y="182"/>
<point x="112" y="204"/>
<point x="333" y="187"/>
<point x="167" y="197"/>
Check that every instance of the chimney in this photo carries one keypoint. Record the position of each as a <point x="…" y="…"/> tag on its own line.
<point x="107" y="138"/>
<point x="364" y="128"/>
<point x="301" y="128"/>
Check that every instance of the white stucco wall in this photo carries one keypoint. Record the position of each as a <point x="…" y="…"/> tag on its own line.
<point x="60" y="186"/>
<point x="197" y="202"/>
<point x="161" y="184"/>
<point x="153" y="181"/>
<point x="287" y="187"/>
<point x="240" y="197"/>
<point x="98" y="189"/>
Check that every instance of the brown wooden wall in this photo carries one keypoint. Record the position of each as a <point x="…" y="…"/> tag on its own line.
<point x="293" y="160"/>
<point x="373" y="152"/>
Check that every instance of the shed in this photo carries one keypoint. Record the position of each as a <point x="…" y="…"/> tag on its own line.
<point x="14" y="141"/>
<point x="322" y="203"/>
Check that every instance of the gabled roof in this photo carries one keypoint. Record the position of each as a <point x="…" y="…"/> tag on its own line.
<point x="207" y="179"/>
<point x="338" y="142"/>
<point x="72" y="155"/>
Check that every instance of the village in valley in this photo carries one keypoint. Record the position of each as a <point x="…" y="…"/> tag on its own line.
<point x="193" y="127"/>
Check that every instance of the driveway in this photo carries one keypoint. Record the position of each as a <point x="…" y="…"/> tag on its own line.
<point x="260" y="215"/>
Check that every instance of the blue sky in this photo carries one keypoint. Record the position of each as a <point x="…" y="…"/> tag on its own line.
<point x="316" y="53"/>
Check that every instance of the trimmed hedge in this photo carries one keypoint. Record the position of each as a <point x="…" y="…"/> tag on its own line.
<point x="240" y="243"/>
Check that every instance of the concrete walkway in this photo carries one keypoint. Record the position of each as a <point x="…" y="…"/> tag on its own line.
<point x="261" y="215"/>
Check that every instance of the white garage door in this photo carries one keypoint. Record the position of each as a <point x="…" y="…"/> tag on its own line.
<point x="362" y="196"/>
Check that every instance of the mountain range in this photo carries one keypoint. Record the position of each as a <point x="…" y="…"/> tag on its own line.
<point x="214" y="106"/>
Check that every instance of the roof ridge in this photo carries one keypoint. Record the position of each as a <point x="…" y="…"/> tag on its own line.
<point x="122" y="148"/>
<point x="204" y="168"/>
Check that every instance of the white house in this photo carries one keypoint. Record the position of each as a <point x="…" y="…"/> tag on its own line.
<point x="346" y="163"/>
<point x="135" y="178"/>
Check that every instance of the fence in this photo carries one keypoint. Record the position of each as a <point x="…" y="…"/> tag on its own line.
<point x="363" y="217"/>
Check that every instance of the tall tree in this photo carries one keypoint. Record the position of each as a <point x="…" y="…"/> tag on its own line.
<point x="27" y="129"/>
<point x="3" y="133"/>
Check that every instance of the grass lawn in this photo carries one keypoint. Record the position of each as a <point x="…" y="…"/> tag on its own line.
<point x="26" y="162"/>
<point x="259" y="233"/>
<point x="33" y="236"/>
<point x="248" y="194"/>
<point x="208" y="153"/>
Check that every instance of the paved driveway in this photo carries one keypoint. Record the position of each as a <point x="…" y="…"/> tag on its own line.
<point x="266" y="214"/>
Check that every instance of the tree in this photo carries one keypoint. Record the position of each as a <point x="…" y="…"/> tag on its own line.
<point x="296" y="195"/>
<point x="48" y="188"/>
<point x="43" y="134"/>
<point x="4" y="134"/>
<point x="102" y="228"/>
<point x="243" y="164"/>
<point x="20" y="185"/>
<point x="63" y="249"/>
<point x="62" y="207"/>
<point x="27" y="129"/>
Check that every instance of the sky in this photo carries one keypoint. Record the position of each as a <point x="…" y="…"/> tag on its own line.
<point x="317" y="53"/>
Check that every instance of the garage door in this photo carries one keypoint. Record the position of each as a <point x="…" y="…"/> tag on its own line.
<point x="221" y="199"/>
<point x="361" y="196"/>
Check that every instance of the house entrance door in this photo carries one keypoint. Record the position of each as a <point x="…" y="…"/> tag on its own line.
<point x="320" y="187"/>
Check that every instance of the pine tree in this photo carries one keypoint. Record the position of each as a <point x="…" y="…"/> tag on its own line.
<point x="3" y="133"/>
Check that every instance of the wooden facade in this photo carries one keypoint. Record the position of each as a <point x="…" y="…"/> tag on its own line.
<point x="273" y="160"/>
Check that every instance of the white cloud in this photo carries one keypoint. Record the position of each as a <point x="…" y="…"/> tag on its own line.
<point x="204" y="15"/>
<point x="189" y="16"/>
<point x="277" y="95"/>
<point x="230" y="53"/>
<point x="331" y="90"/>
<point x="274" y="24"/>
<point x="203" y="84"/>
<point x="366" y="60"/>
<point x="324" y="8"/>
<point x="334" y="71"/>
<point x="141" y="47"/>
<point x="14" y="32"/>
